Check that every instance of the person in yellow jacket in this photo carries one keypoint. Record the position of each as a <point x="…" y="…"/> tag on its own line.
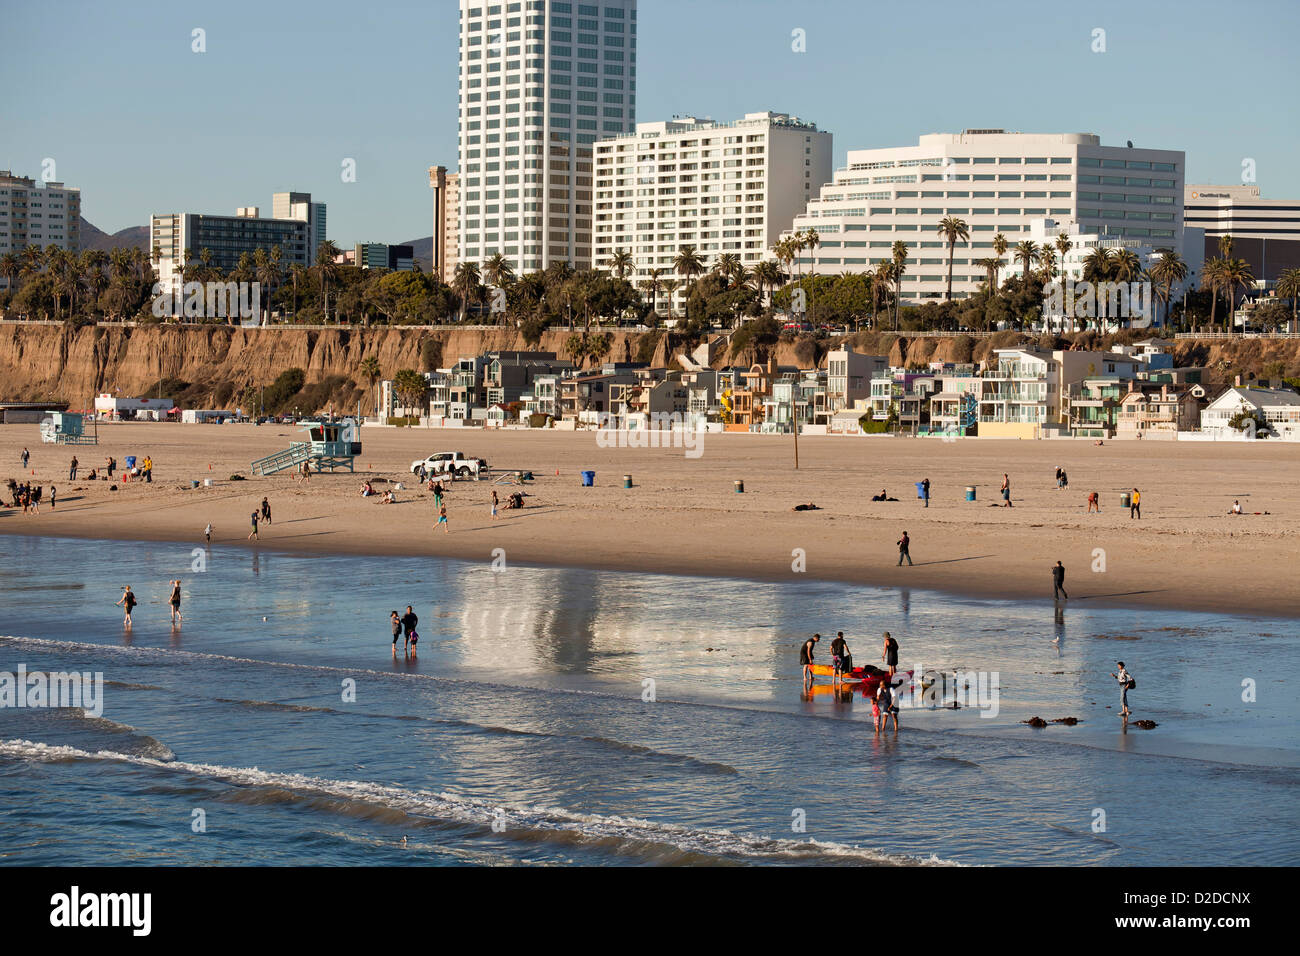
<point x="1135" y="505"/>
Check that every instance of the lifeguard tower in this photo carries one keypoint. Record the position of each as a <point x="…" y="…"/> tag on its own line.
<point x="331" y="444"/>
<point x="65" y="428"/>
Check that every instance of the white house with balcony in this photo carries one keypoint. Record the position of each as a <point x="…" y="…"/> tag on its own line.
<point x="1279" y="407"/>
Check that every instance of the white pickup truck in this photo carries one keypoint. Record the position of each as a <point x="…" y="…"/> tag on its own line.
<point x="453" y="464"/>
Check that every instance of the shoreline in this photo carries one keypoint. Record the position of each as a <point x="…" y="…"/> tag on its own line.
<point x="683" y="518"/>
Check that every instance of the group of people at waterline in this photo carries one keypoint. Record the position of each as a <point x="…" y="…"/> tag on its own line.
<point x="884" y="702"/>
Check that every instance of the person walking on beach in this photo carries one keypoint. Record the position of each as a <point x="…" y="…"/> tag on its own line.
<point x="396" y="623"/>
<point x="1006" y="491"/>
<point x="127" y="601"/>
<point x="1126" y="682"/>
<point x="1135" y="505"/>
<point x="252" y="535"/>
<point x="494" y="504"/>
<point x="437" y="494"/>
<point x="72" y="469"/>
<point x="1094" y="504"/>
<point x="1058" y="582"/>
<point x="110" y="465"/>
<point x="175" y="601"/>
<point x="266" y="511"/>
<point x="890" y="654"/>
<point x="806" y="657"/>
<point x="925" y="491"/>
<point x="904" y="543"/>
<point x="54" y="494"/>
<point x="148" y="470"/>
<point x="26" y="456"/>
<point x="409" y="621"/>
<point x="442" y="519"/>
<point x="207" y="533"/>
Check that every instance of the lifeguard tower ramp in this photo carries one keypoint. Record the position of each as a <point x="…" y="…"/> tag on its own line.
<point x="65" y="428"/>
<point x="331" y="444"/>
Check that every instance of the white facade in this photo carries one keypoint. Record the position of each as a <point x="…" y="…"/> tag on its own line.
<point x="1238" y="211"/>
<point x="997" y="182"/>
<point x="38" y="214"/>
<point x="720" y="187"/>
<point x="1279" y="407"/>
<point x="540" y="82"/>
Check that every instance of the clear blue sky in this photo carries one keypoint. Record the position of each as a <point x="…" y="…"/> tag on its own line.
<point x="286" y="90"/>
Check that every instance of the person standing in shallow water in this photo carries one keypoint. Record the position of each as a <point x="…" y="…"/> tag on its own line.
<point x="127" y="602"/>
<point x="890" y="654"/>
<point x="1058" y="582"/>
<point x="175" y="601"/>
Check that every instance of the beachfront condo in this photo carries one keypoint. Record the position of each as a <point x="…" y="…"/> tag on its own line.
<point x="997" y="183"/>
<point x="540" y="82"/>
<point x="723" y="188"/>
<point x="37" y="213"/>
<point x="1025" y="392"/>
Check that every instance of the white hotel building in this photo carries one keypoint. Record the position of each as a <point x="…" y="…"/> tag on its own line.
<point x="998" y="182"/>
<point x="540" y="82"/>
<point x="720" y="187"/>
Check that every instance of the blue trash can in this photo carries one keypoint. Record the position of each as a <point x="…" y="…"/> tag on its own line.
<point x="588" y="479"/>
<point x="970" y="492"/>
<point x="920" y="489"/>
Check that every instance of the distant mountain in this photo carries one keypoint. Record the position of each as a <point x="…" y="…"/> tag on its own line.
<point x="95" y="238"/>
<point x="422" y="251"/>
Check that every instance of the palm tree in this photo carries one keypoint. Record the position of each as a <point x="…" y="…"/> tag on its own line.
<point x="1047" y="259"/>
<point x="784" y="253"/>
<point x="990" y="267"/>
<point x="1027" y="253"/>
<point x="621" y="263"/>
<point x="1171" y="270"/>
<point x="369" y="367"/>
<point x="1236" y="272"/>
<point x="298" y="271"/>
<point x="468" y="286"/>
<point x="688" y="264"/>
<point x="328" y="270"/>
<point x="768" y="275"/>
<point x="1128" y="267"/>
<point x="670" y="286"/>
<point x="726" y="264"/>
<point x="1225" y="247"/>
<point x="1288" y="287"/>
<point x="1000" y="250"/>
<point x="1063" y="246"/>
<point x="10" y="266"/>
<point x="653" y="285"/>
<point x="811" y="240"/>
<point x="952" y="229"/>
<point x="884" y="284"/>
<point x="268" y="272"/>
<point x="498" y="272"/>
<point x="899" y="256"/>
<point x="93" y="262"/>
<point x="1098" y="265"/>
<point x="1212" y="281"/>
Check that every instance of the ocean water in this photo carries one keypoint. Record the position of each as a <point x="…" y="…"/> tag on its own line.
<point x="275" y="727"/>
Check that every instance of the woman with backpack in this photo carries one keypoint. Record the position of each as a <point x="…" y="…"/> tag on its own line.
<point x="1126" y="683"/>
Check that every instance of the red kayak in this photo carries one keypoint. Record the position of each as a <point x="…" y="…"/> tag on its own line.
<point x="868" y="676"/>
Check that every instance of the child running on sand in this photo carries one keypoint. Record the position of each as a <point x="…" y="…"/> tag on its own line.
<point x="442" y="519"/>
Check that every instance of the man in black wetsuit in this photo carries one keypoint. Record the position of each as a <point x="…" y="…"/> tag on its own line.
<point x="1058" y="582"/>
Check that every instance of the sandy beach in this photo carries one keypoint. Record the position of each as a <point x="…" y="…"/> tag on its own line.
<point x="683" y="516"/>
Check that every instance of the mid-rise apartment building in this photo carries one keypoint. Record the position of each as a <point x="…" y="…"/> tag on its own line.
<point x="226" y="238"/>
<point x="446" y="222"/>
<point x="997" y="182"/>
<point x="540" y="82"/>
<point x="720" y="187"/>
<point x="41" y="214"/>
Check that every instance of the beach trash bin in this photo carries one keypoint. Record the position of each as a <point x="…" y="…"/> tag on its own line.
<point x="740" y="487"/>
<point x="920" y="489"/>
<point x="1126" y="500"/>
<point x="970" y="492"/>
<point x="588" y="479"/>
<point x="207" y="482"/>
<point x="130" y="461"/>
<point x="194" y="483"/>
<point x="526" y="476"/>
<point x="627" y="481"/>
